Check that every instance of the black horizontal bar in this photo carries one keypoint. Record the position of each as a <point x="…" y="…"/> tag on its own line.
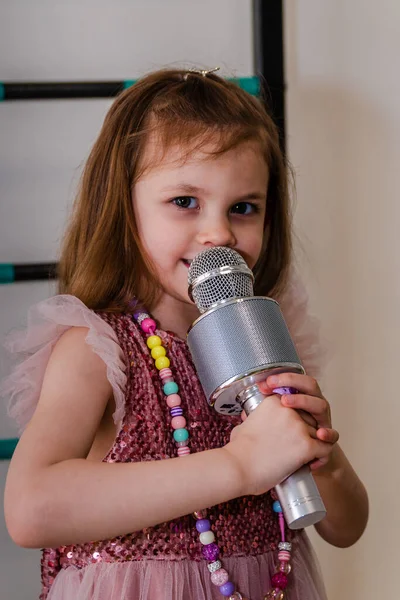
<point x="92" y="89"/>
<point x="58" y="90"/>
<point x="10" y="273"/>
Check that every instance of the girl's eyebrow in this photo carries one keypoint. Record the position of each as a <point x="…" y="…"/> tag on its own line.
<point x="184" y="188"/>
<point x="187" y="188"/>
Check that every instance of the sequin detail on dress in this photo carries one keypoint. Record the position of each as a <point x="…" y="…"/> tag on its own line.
<point x="246" y="526"/>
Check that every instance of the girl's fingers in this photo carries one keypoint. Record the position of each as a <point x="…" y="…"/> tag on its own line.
<point x="309" y="419"/>
<point x="318" y="463"/>
<point x="326" y="434"/>
<point x="303" y="383"/>
<point x="316" y="406"/>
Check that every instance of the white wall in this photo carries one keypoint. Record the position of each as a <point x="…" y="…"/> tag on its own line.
<point x="43" y="143"/>
<point x="344" y="141"/>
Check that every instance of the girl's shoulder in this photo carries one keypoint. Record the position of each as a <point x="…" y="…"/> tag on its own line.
<point x="32" y="347"/>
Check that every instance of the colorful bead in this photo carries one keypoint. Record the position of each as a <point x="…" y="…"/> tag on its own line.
<point x="180" y="435"/>
<point x="153" y="341"/>
<point x="285" y="567"/>
<point x="219" y="577"/>
<point x="170" y="388"/>
<point x="276" y="507"/>
<point x="141" y="317"/>
<point x="275" y="595"/>
<point x="284" y="556"/>
<point x="203" y="525"/>
<point x="207" y="537"/>
<point x="158" y="351"/>
<point x="200" y="514"/>
<point x="176" y="411"/>
<point x="285" y="546"/>
<point x="210" y="552"/>
<point x="227" y="589"/>
<point x="182" y="443"/>
<point x="236" y="596"/>
<point x="214" y="566"/>
<point x="279" y="580"/>
<point x="173" y="400"/>
<point x="165" y="373"/>
<point x="148" y="325"/>
<point x="162" y="362"/>
<point x="178" y="422"/>
<point x="183" y="451"/>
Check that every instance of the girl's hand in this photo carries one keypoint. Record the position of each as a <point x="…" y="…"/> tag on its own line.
<point x="272" y="443"/>
<point x="310" y="403"/>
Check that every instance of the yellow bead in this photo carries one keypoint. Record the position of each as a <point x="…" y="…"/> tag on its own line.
<point x="153" y="341"/>
<point x="162" y="363"/>
<point x="158" y="351"/>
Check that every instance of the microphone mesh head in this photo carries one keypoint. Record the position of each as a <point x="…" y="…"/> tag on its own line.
<point x="218" y="273"/>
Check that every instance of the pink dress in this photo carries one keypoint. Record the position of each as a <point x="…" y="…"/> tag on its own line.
<point x="162" y="562"/>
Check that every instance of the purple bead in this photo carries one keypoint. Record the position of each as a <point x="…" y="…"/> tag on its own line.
<point x="203" y="525"/>
<point x="176" y="411"/>
<point x="227" y="589"/>
<point x="210" y="551"/>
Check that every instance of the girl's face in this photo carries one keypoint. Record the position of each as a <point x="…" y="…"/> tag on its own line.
<point x="185" y="205"/>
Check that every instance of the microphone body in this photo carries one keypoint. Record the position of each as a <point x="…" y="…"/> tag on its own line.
<point x="236" y="343"/>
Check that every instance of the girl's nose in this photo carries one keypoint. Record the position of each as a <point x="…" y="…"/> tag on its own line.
<point x="216" y="233"/>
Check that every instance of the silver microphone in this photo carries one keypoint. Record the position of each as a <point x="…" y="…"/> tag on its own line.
<point x="238" y="340"/>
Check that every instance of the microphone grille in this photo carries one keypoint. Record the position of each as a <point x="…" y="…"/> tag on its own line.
<point x="216" y="274"/>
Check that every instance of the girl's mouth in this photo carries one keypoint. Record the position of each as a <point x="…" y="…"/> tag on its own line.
<point x="186" y="262"/>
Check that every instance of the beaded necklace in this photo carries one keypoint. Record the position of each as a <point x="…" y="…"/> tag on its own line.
<point x="210" y="549"/>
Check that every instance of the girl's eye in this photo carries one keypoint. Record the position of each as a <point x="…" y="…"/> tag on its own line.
<point x="185" y="202"/>
<point x="244" y="208"/>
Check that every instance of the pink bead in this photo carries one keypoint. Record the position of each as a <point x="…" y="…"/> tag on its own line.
<point x="178" y="422"/>
<point x="165" y="373"/>
<point x="167" y="379"/>
<point x="183" y="451"/>
<point x="219" y="577"/>
<point x="279" y="580"/>
<point x="173" y="400"/>
<point x="148" y="325"/>
<point x="284" y="556"/>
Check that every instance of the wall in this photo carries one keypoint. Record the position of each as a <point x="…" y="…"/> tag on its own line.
<point x="344" y="142"/>
<point x="43" y="144"/>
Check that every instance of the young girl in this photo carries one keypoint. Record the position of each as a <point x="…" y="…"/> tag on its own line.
<point x="108" y="392"/>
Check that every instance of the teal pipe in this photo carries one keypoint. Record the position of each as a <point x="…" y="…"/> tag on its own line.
<point x="7" y="448"/>
<point x="2" y="92"/>
<point x="7" y="273"/>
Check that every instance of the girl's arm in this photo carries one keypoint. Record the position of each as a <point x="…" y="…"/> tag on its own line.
<point x="345" y="499"/>
<point x="56" y="496"/>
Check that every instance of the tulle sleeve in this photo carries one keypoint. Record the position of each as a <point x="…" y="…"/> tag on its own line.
<point x="304" y="328"/>
<point x="32" y="348"/>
